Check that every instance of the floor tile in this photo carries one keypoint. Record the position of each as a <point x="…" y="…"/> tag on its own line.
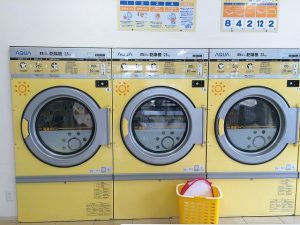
<point x="174" y="220"/>
<point x="290" y="219"/>
<point x="263" y="220"/>
<point x="113" y="222"/>
<point x="8" y="223"/>
<point x="46" y="223"/>
<point x="118" y="222"/>
<point x="104" y="222"/>
<point x="8" y="220"/>
<point x="232" y="220"/>
<point x="71" y="223"/>
<point x="152" y="221"/>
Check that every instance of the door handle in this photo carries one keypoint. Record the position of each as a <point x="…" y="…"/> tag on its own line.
<point x="198" y="123"/>
<point x="125" y="127"/>
<point x="297" y="127"/>
<point x="25" y="128"/>
<point x="221" y="127"/>
<point x="104" y="126"/>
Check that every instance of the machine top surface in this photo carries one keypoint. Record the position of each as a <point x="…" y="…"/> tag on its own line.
<point x="159" y="63"/>
<point x="60" y="53"/>
<point x="254" y="63"/>
<point x="254" y="54"/>
<point x="159" y="54"/>
<point x="55" y="62"/>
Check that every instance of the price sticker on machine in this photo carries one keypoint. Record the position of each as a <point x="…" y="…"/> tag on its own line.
<point x="250" y="15"/>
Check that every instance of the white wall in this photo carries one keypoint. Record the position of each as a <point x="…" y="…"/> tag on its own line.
<point x="75" y="23"/>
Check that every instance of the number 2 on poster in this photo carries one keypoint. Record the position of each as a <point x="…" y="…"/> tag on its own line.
<point x="249" y="24"/>
<point x="271" y="24"/>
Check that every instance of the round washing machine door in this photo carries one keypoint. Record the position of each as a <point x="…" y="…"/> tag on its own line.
<point x="255" y="124"/>
<point x="160" y="126"/>
<point x="64" y="127"/>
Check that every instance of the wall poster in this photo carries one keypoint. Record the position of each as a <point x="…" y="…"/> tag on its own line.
<point x="250" y="15"/>
<point x="167" y="15"/>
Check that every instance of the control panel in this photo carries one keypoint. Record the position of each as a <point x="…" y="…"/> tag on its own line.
<point x="53" y="62"/>
<point x="160" y="63"/>
<point x="254" y="63"/>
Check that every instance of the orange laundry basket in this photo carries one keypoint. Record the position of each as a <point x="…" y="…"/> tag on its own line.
<point x="204" y="210"/>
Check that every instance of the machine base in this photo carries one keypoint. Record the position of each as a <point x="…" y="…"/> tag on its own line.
<point x="146" y="199"/>
<point x="40" y="202"/>
<point x="256" y="197"/>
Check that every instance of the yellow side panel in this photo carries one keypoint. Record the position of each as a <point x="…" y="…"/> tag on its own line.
<point x="65" y="201"/>
<point x="145" y="199"/>
<point x="257" y="197"/>
<point x="297" y="210"/>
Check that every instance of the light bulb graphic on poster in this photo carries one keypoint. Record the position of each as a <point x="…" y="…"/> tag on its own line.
<point x="250" y="15"/>
<point x="174" y="15"/>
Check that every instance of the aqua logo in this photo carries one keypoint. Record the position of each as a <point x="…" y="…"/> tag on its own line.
<point x="23" y="53"/>
<point x="222" y="54"/>
<point x="124" y="54"/>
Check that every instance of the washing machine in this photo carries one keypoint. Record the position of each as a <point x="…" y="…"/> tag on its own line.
<point x="61" y="102"/>
<point x="253" y="130"/>
<point x="159" y="129"/>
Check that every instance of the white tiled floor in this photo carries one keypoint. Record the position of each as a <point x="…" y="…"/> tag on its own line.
<point x="263" y="220"/>
<point x="111" y="222"/>
<point x="290" y="219"/>
<point x="233" y="220"/>
<point x="152" y="221"/>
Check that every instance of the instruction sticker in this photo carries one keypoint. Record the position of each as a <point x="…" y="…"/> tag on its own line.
<point x="157" y="15"/>
<point x="98" y="209"/>
<point x="102" y="190"/>
<point x="250" y="15"/>
<point x="285" y="201"/>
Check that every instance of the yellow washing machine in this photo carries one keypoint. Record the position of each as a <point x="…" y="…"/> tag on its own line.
<point x="252" y="133"/>
<point x="62" y="104"/>
<point x="159" y="111"/>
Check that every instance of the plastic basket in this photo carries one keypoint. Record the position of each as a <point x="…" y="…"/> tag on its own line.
<point x="203" y="210"/>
